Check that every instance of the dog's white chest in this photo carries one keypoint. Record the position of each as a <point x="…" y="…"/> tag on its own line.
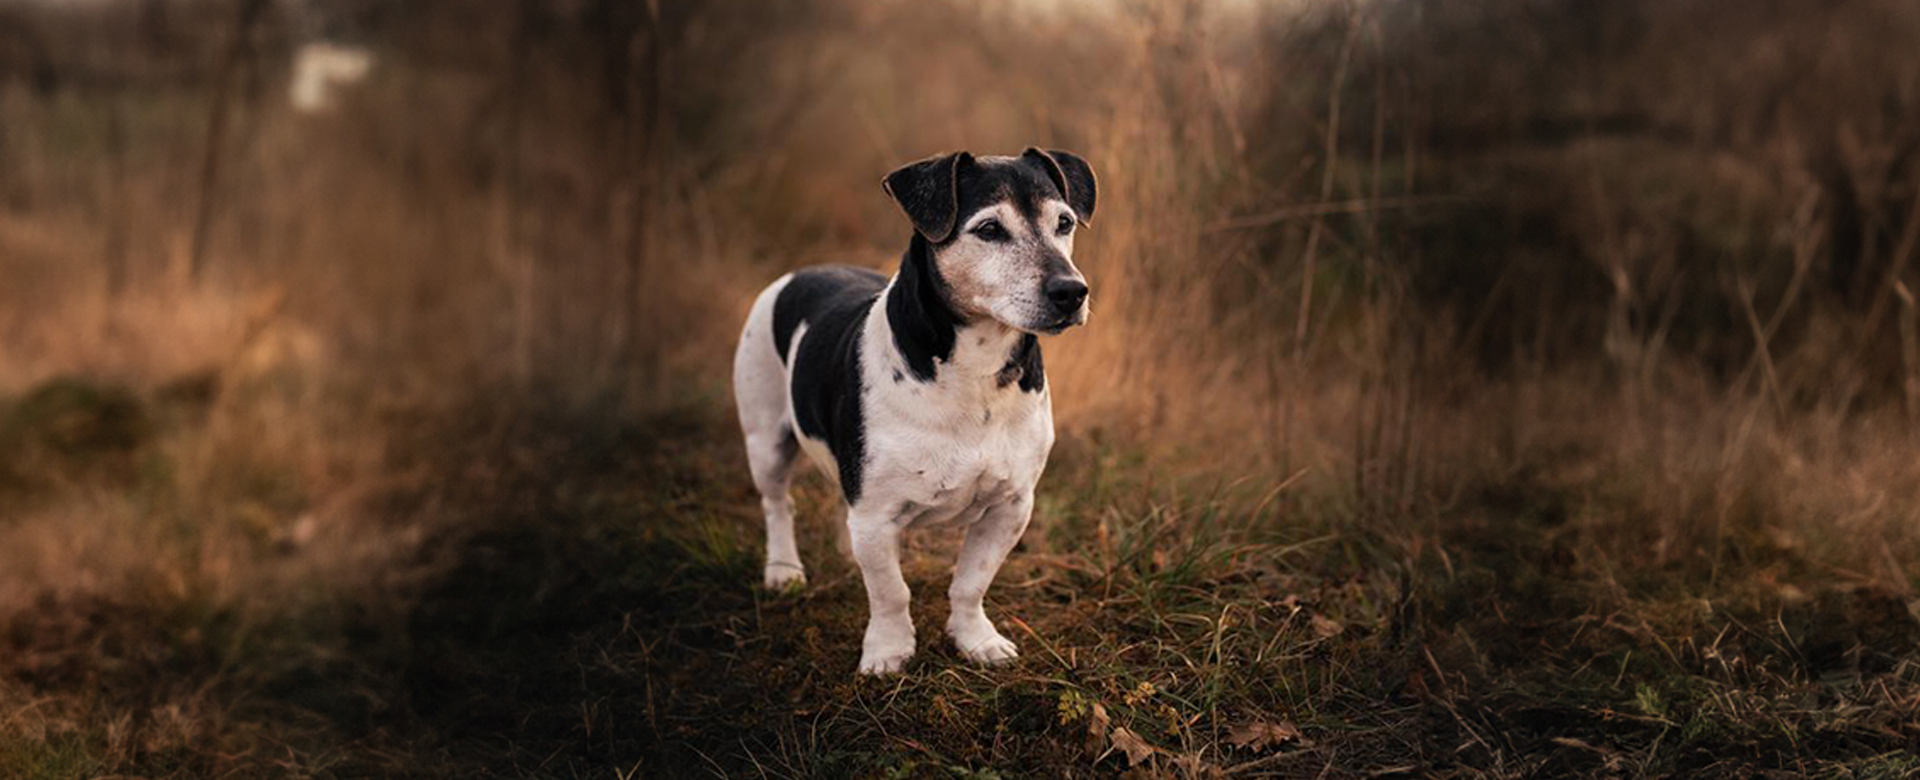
<point x="954" y="464"/>
<point x="961" y="503"/>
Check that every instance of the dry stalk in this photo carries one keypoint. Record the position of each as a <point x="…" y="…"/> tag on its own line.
<point x="219" y="113"/>
<point x="1909" y="349"/>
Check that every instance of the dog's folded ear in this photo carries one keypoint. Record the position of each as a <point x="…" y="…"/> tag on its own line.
<point x="926" y="191"/>
<point x="1072" y="175"/>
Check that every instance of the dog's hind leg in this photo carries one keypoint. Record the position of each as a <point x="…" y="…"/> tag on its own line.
<point x="772" y="458"/>
<point x="989" y="540"/>
<point x="759" y="393"/>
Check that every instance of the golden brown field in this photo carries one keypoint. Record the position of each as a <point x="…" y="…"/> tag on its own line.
<point x="1473" y="389"/>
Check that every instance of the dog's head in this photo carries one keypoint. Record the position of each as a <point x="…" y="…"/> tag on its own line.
<point x="1001" y="231"/>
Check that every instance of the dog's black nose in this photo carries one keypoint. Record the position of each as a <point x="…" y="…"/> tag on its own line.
<point x="1066" y="293"/>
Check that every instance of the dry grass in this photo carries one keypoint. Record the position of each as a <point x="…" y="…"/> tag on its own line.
<point x="1470" y="392"/>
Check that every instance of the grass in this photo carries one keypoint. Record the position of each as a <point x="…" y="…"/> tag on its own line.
<point x="583" y="603"/>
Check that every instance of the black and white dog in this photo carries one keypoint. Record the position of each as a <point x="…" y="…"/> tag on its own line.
<point x="923" y="396"/>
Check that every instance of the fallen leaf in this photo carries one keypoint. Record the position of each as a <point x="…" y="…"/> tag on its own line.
<point x="1137" y="749"/>
<point x="1259" y="735"/>
<point x="1325" y="627"/>
<point x="1097" y="723"/>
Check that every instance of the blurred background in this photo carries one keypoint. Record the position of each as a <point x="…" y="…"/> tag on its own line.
<point x="353" y="352"/>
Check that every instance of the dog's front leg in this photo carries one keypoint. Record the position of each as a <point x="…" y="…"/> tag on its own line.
<point x="988" y="541"/>
<point x="875" y="537"/>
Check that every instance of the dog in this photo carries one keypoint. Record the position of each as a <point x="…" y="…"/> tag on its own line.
<point x="922" y="396"/>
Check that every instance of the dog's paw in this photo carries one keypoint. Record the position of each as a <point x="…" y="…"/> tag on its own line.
<point x="888" y="645"/>
<point x="782" y="577"/>
<point x="996" y="650"/>
<point x="979" y="642"/>
<point x="872" y="663"/>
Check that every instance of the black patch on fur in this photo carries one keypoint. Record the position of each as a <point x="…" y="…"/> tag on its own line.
<point x="1072" y="176"/>
<point x="818" y="289"/>
<point x="984" y="181"/>
<point x="940" y="192"/>
<point x="924" y="324"/>
<point x="925" y="191"/>
<point x="825" y="383"/>
<point x="1024" y="365"/>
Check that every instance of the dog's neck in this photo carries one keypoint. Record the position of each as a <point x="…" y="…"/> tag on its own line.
<point x="938" y="343"/>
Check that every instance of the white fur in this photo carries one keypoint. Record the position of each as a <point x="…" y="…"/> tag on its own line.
<point x="760" y="392"/>
<point x="1002" y="280"/>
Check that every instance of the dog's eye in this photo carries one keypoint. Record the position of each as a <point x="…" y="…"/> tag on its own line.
<point x="1066" y="224"/>
<point x="991" y="230"/>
